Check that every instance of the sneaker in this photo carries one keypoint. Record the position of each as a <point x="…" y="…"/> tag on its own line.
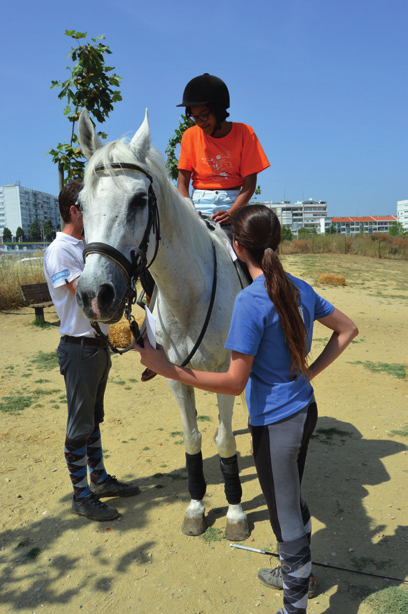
<point x="111" y="487"/>
<point x="273" y="579"/>
<point x="92" y="508"/>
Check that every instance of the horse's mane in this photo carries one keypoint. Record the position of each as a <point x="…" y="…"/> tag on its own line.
<point x="177" y="209"/>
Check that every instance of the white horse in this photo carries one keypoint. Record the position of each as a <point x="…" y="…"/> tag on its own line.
<point x="116" y="202"/>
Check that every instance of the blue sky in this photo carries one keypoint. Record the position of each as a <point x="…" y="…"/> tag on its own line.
<point x="322" y="82"/>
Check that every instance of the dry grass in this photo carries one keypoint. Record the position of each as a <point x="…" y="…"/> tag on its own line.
<point x="332" y="280"/>
<point x="120" y="334"/>
<point x="17" y="270"/>
<point x="373" y="246"/>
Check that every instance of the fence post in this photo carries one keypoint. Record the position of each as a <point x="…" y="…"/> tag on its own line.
<point x="345" y="244"/>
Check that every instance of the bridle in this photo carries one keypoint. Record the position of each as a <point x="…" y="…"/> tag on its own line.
<point x="137" y="264"/>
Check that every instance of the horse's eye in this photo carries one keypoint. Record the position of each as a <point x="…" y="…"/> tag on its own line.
<point x="137" y="201"/>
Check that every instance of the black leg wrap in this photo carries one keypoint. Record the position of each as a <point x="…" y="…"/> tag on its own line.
<point x="196" y="480"/>
<point x="230" y="472"/>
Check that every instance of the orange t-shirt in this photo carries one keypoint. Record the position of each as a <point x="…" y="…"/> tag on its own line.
<point x="221" y="163"/>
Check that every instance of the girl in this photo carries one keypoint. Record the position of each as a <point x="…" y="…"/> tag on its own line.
<point x="222" y="158"/>
<point x="270" y="336"/>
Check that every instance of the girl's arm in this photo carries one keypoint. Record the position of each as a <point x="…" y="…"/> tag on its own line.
<point x="344" y="332"/>
<point x="232" y="382"/>
<point x="183" y="183"/>
<point x="243" y="198"/>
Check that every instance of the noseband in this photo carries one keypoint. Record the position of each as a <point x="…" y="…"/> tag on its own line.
<point x="138" y="256"/>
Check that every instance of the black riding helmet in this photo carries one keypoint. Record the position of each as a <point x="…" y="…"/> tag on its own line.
<point x="205" y="89"/>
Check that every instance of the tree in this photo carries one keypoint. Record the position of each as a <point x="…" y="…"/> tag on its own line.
<point x="91" y="87"/>
<point x="257" y="191"/>
<point x="172" y="161"/>
<point x="396" y="229"/>
<point x="7" y="236"/>
<point x="303" y="233"/>
<point x="35" y="231"/>
<point x="286" y="233"/>
<point x="331" y="230"/>
<point x="48" y="231"/>
<point x="20" y="234"/>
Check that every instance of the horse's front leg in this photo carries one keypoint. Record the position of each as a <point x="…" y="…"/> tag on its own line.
<point x="194" y="520"/>
<point x="237" y="524"/>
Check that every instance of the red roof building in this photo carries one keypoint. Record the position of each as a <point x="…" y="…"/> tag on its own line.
<point x="365" y="225"/>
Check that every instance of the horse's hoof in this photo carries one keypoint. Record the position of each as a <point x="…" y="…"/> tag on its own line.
<point x="237" y="531"/>
<point x="194" y="525"/>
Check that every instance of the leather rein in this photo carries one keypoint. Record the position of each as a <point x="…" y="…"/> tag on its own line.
<point x="138" y="264"/>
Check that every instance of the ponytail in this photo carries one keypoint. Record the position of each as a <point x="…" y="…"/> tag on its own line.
<point x="258" y="230"/>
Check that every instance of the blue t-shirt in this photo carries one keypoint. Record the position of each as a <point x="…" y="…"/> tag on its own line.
<point x="271" y="393"/>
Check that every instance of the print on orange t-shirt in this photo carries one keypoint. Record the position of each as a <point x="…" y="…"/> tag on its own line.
<point x="221" y="163"/>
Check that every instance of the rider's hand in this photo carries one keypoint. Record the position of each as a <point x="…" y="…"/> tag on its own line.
<point x="222" y="217"/>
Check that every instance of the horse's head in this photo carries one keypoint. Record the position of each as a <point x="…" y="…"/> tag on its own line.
<point x="116" y="203"/>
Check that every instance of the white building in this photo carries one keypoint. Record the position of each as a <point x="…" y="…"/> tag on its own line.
<point x="402" y="213"/>
<point x="20" y="207"/>
<point x="364" y="225"/>
<point x="310" y="214"/>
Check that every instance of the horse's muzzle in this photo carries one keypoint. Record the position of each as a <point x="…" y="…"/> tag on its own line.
<point x="103" y="305"/>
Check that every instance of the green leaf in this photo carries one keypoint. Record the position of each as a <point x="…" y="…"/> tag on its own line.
<point x="67" y="110"/>
<point x="78" y="35"/>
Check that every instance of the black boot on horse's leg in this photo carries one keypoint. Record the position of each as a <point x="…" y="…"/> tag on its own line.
<point x="194" y="523"/>
<point x="232" y="483"/>
<point x="236" y="530"/>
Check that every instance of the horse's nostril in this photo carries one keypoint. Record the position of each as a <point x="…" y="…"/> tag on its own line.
<point x="106" y="296"/>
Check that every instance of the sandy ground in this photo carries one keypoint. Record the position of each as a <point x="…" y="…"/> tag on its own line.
<point x="355" y="479"/>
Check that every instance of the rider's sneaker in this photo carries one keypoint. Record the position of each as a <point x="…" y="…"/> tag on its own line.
<point x="111" y="487"/>
<point x="92" y="508"/>
<point x="273" y="579"/>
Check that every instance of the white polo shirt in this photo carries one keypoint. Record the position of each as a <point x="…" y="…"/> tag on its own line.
<point x="63" y="262"/>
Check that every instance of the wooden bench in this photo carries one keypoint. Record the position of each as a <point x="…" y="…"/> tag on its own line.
<point x="38" y="293"/>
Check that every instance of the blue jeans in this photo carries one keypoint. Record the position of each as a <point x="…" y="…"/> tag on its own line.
<point x="211" y="201"/>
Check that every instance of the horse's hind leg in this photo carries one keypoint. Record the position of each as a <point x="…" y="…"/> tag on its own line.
<point x="194" y="520"/>
<point x="237" y="524"/>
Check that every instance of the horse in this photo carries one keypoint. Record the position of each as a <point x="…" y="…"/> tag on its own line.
<point x="126" y="193"/>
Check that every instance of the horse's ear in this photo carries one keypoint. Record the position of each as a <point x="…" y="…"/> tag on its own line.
<point x="140" y="144"/>
<point x="88" y="139"/>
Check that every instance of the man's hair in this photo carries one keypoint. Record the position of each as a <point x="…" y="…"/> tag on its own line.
<point x="68" y="197"/>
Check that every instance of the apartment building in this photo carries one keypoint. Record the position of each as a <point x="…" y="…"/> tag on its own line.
<point x="20" y="207"/>
<point x="364" y="225"/>
<point x="310" y="214"/>
<point x="402" y="213"/>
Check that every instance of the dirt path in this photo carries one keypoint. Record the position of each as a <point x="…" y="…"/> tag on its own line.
<point x="355" y="480"/>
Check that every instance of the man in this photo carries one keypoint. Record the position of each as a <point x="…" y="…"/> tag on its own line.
<point x="85" y="363"/>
